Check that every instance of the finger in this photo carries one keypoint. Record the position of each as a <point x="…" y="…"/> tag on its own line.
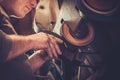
<point x="56" y="46"/>
<point x="57" y="39"/>
<point x="49" y="50"/>
<point x="49" y="53"/>
<point x="54" y="53"/>
<point x="53" y="42"/>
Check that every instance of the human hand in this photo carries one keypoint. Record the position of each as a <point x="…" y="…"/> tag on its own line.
<point x="47" y="42"/>
<point x="37" y="59"/>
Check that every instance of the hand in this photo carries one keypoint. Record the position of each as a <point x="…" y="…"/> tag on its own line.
<point x="47" y="42"/>
<point x="37" y="59"/>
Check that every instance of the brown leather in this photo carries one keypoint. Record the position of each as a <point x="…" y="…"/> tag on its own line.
<point x="101" y="5"/>
<point x="78" y="42"/>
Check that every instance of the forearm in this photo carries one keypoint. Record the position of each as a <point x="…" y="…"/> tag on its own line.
<point x="20" y="44"/>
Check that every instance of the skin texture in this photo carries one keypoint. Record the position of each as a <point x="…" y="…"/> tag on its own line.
<point x="43" y="44"/>
<point x="19" y="8"/>
<point x="40" y="41"/>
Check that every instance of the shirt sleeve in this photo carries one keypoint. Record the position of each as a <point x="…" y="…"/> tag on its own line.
<point x="5" y="46"/>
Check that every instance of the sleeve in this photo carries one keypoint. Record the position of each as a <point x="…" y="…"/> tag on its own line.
<point x="5" y="46"/>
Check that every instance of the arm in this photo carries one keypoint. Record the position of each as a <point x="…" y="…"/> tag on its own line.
<point x="12" y="46"/>
<point x="21" y="44"/>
